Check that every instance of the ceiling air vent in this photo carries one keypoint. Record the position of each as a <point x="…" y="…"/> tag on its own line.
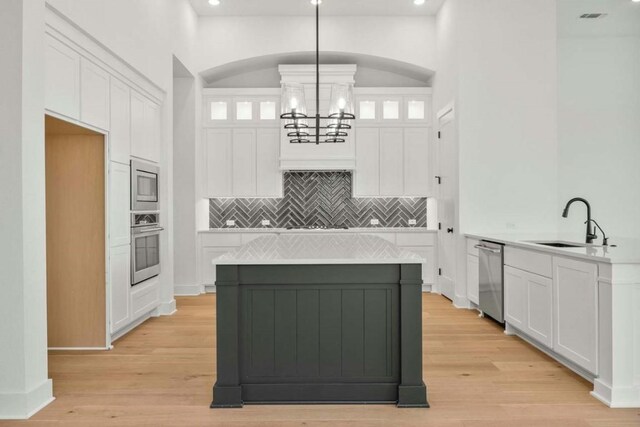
<point x="592" y="15"/>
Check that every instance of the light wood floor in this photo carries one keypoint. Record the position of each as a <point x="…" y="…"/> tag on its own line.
<point x="162" y="374"/>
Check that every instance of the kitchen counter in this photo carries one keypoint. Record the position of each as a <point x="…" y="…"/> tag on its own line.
<point x="338" y="230"/>
<point x="319" y="247"/>
<point x="626" y="251"/>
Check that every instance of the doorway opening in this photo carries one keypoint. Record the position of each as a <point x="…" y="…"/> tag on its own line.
<point x="76" y="254"/>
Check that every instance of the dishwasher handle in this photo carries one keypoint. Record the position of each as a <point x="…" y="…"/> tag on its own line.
<point x="486" y="248"/>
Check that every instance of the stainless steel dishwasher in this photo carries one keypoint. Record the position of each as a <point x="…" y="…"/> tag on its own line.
<point x="492" y="279"/>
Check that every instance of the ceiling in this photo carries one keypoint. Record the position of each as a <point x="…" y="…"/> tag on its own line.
<point x="623" y="18"/>
<point x="328" y="7"/>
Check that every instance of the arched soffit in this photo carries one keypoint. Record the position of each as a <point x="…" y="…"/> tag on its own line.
<point x="269" y="63"/>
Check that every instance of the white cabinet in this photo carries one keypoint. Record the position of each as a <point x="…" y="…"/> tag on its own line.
<point x="243" y="164"/>
<point x="218" y="153"/>
<point x="208" y="269"/>
<point x="145" y="297"/>
<point x="120" y="281"/>
<point x="145" y="128"/>
<point x="120" y="122"/>
<point x="391" y="162"/>
<point x="416" y="155"/>
<point x="473" y="279"/>
<point x="94" y="95"/>
<point x="575" y="311"/>
<point x="528" y="304"/>
<point x="62" y="79"/>
<point x="119" y="204"/>
<point x="268" y="174"/>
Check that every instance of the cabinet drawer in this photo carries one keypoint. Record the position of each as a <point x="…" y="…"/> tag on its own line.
<point x="415" y="239"/>
<point x="221" y="239"/>
<point x="145" y="297"/>
<point x="471" y="247"/>
<point x="533" y="262"/>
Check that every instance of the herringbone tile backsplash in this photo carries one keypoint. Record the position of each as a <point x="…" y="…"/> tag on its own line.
<point x="318" y="199"/>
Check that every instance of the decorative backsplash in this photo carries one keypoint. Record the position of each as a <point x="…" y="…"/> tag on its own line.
<point x="318" y="199"/>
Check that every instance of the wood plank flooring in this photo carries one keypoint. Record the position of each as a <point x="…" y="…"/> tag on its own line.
<point x="161" y="374"/>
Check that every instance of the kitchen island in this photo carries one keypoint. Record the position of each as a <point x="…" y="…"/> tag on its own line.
<point x="326" y="318"/>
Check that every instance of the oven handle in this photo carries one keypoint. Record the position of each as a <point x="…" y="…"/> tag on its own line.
<point x="145" y="231"/>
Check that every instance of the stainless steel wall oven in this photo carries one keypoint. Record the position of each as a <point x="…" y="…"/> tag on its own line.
<point x="145" y="246"/>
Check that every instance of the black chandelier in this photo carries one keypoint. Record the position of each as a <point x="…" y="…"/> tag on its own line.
<point x="329" y="129"/>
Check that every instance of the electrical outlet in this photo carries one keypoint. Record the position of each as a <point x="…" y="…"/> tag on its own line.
<point x="231" y="223"/>
<point x="375" y="221"/>
<point x="266" y="222"/>
<point x="412" y="222"/>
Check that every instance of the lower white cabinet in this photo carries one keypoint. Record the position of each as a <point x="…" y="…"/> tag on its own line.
<point x="473" y="279"/>
<point x="120" y="281"/>
<point x="208" y="269"/>
<point x="145" y="297"/>
<point x="428" y="253"/>
<point x="575" y="311"/>
<point x="528" y="304"/>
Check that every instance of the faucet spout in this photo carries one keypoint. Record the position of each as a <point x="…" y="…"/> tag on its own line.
<point x="590" y="234"/>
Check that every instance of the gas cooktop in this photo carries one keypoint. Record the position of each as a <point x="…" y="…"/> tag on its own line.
<point x="317" y="227"/>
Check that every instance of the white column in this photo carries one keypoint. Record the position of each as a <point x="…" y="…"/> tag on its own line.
<point x="24" y="386"/>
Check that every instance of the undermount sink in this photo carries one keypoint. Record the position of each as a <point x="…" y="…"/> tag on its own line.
<point x="560" y="244"/>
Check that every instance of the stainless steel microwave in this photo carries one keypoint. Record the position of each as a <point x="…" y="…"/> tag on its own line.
<point x="144" y="186"/>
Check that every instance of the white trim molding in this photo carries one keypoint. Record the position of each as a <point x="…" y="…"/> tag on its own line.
<point x="20" y="406"/>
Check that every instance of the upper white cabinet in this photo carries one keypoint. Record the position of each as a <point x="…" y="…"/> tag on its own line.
<point x="145" y="128"/>
<point x="393" y="106"/>
<point x="392" y="162"/>
<point x="575" y="311"/>
<point x="120" y="126"/>
<point x="62" y="79"/>
<point x="94" y="95"/>
<point x="241" y="143"/>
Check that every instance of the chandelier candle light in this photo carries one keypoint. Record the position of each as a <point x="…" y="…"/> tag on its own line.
<point x="330" y="129"/>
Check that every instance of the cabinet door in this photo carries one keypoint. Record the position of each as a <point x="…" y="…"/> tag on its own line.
<point x="391" y="162"/>
<point x="120" y="126"/>
<point x="539" y="308"/>
<point x="94" y="95"/>
<point x="218" y="162"/>
<point x="473" y="279"/>
<point x="269" y="176"/>
<point x="120" y="277"/>
<point x="119" y="204"/>
<point x="138" y="131"/>
<point x="575" y="311"/>
<point x="244" y="163"/>
<point x="416" y="161"/>
<point x="515" y="294"/>
<point x="152" y="125"/>
<point x="207" y="268"/>
<point x="367" y="176"/>
<point x="62" y="79"/>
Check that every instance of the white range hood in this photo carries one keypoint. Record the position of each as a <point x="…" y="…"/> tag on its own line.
<point x="323" y="156"/>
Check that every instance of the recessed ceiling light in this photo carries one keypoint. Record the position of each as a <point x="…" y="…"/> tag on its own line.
<point x="316" y="2"/>
<point x="419" y="2"/>
<point x="214" y="2"/>
<point x="636" y="1"/>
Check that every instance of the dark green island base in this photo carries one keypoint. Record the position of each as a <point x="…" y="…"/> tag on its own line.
<point x="306" y="334"/>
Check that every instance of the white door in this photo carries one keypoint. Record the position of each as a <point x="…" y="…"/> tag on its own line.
<point x="447" y="199"/>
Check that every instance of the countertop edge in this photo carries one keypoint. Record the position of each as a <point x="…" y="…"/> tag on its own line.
<point x="350" y="230"/>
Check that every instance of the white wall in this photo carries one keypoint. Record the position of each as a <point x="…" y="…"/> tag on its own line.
<point x="407" y="39"/>
<point x="599" y="131"/>
<point x="24" y="386"/>
<point x="507" y="115"/>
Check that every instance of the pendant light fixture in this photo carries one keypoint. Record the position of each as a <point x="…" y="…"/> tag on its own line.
<point x="317" y="129"/>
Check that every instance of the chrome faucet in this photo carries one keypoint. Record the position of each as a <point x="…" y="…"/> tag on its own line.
<point x="591" y="234"/>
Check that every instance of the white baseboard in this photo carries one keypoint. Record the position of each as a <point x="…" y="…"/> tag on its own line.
<point x="167" y="308"/>
<point x="621" y="397"/>
<point x="461" y="302"/>
<point x="427" y="287"/>
<point x="210" y="289"/>
<point x="20" y="406"/>
<point x="79" y="348"/>
<point x="188" y="290"/>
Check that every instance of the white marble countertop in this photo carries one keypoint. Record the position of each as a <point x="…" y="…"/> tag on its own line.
<point x="320" y="248"/>
<point x="625" y="251"/>
<point x="338" y="230"/>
